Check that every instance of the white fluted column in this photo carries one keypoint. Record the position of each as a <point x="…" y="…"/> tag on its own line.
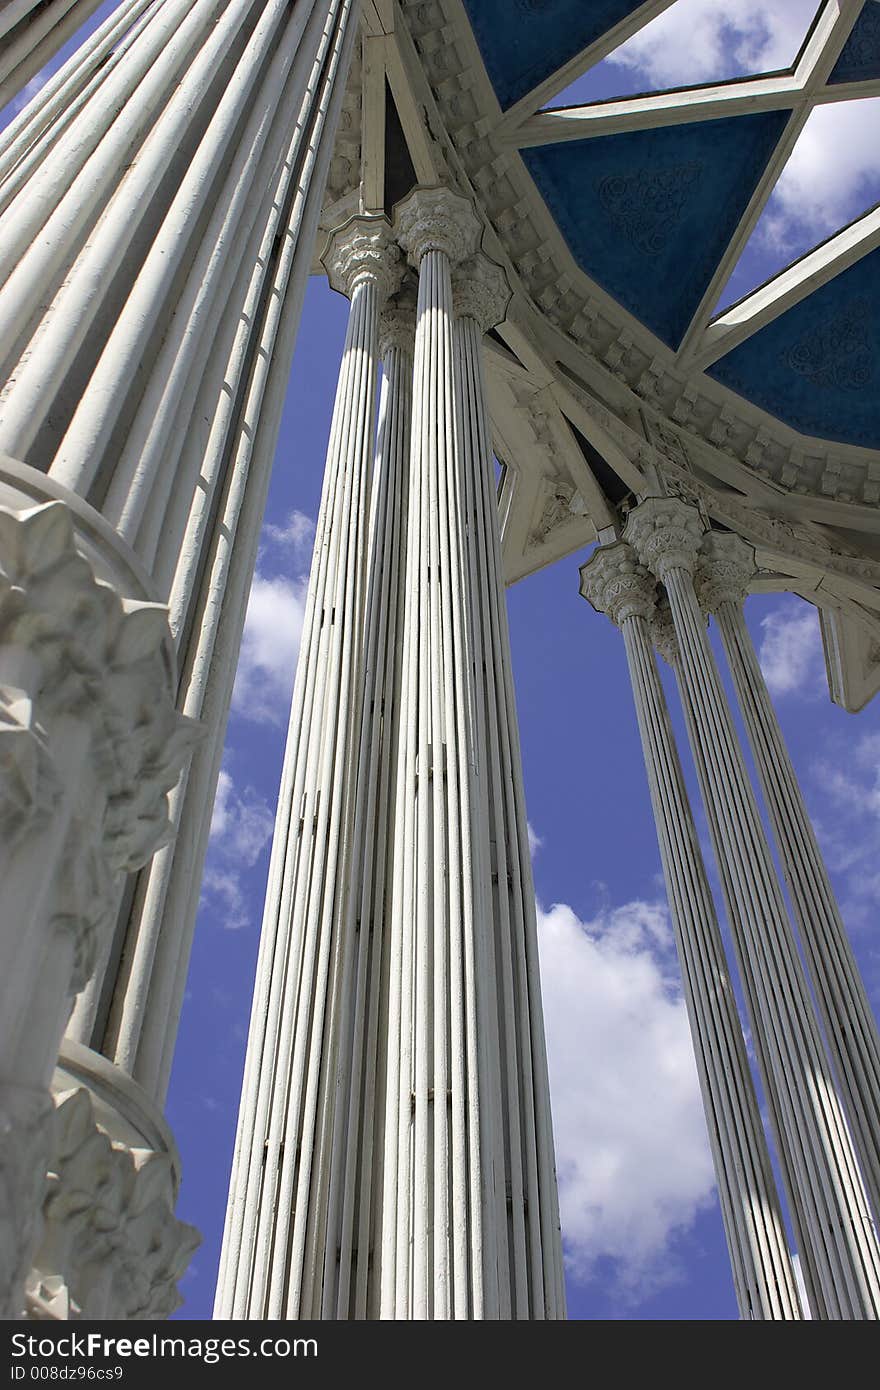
<point x="469" y="1223"/>
<point x="615" y="583"/>
<point x="31" y="33"/>
<point x="91" y="745"/>
<point x="662" y="630"/>
<point x="667" y="535"/>
<point x="356" y="1193"/>
<point x="725" y="568"/>
<point x="158" y="208"/>
<point x="526" y="1264"/>
<point x="274" y="1242"/>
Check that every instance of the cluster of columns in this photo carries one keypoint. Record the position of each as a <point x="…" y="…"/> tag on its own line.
<point x="159" y="202"/>
<point x="394" y="1153"/>
<point x="818" y="1063"/>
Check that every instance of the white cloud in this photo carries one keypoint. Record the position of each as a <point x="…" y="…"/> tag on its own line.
<point x="632" y="1155"/>
<point x="833" y="174"/>
<point x="296" y="535"/>
<point x="791" y="651"/>
<point x="274" y="621"/>
<point x="848" y="827"/>
<point x="269" y="648"/>
<point x="241" y="823"/>
<point x="698" y="40"/>
<point x="241" y="828"/>
<point x="535" y="840"/>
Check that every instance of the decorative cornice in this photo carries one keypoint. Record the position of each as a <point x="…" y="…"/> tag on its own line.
<point x="666" y="534"/>
<point x="615" y="583"/>
<point x="480" y="291"/>
<point x="725" y="569"/>
<point x="436" y="219"/>
<point x="363" y="248"/>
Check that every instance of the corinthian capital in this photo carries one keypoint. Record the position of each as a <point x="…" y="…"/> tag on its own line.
<point x="666" y="534"/>
<point x="436" y="219"/>
<point x="363" y="248"/>
<point x="724" y="571"/>
<point x="397" y="323"/>
<point x="661" y="630"/>
<point x="72" y="647"/>
<point x="480" y="291"/>
<point x="615" y="583"/>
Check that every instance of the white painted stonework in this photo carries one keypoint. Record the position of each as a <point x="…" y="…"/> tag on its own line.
<point x="164" y="197"/>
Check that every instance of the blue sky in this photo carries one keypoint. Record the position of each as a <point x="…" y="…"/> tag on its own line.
<point x="641" y="1224"/>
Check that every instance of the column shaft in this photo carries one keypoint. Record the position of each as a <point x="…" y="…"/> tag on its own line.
<point x="158" y="207"/>
<point x="272" y="1262"/>
<point x="850" y="1029"/>
<point x="755" y="1231"/>
<point x="469" y="1223"/>
<point x="31" y="33"/>
<point x="837" y="1223"/>
<point x="225" y="374"/>
<point x="528" y="1261"/>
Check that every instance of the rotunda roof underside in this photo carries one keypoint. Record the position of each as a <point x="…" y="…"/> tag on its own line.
<point x="621" y="220"/>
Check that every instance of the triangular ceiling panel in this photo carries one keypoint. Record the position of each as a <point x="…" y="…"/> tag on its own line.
<point x="648" y="214"/>
<point x="817" y="366"/>
<point x="523" y="41"/>
<point x="860" y="57"/>
<point x="693" y="43"/>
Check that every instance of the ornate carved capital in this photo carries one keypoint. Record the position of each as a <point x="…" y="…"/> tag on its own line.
<point x="724" y="571"/>
<point x="615" y="583"/>
<point x="26" y="1135"/>
<point x="363" y="248"/>
<point x="661" y="630"/>
<point x="111" y="1245"/>
<point x="28" y="781"/>
<point x="397" y="323"/>
<point x="666" y="534"/>
<point x="480" y="291"/>
<point x="436" y="219"/>
<point x="92" y="655"/>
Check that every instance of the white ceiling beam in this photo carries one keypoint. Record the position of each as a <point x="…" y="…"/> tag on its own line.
<point x="659" y="109"/>
<point x="788" y="288"/>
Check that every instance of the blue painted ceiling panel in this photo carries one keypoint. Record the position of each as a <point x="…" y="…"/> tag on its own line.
<point x="860" y="56"/>
<point x="817" y="367"/>
<point x="524" y="41"/>
<point x="648" y="214"/>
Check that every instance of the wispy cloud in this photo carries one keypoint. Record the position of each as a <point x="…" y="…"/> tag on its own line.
<point x="632" y="1156"/>
<point x="698" y="40"/>
<point x="845" y="787"/>
<point x="791" y="651"/>
<point x="241" y="827"/>
<point x="274" y="622"/>
<point x="832" y="176"/>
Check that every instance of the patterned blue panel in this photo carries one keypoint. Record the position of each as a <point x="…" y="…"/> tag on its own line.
<point x="524" y="41"/>
<point x="648" y="214"/>
<point x="817" y="366"/>
<point x="860" y="57"/>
